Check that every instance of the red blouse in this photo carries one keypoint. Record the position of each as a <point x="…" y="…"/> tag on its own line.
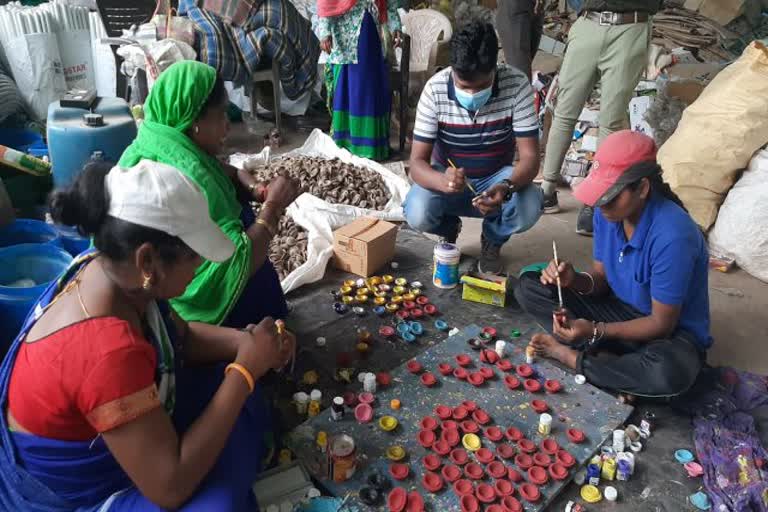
<point x="82" y="380"/>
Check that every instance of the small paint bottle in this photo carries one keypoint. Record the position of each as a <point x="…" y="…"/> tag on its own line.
<point x="530" y="354"/>
<point x="619" y="441"/>
<point x="593" y="475"/>
<point x="314" y="402"/>
<point x="609" y="469"/>
<point x="337" y="409"/>
<point x="301" y="400"/>
<point x="322" y="441"/>
<point x="545" y="424"/>
<point x="501" y="345"/>
<point x="369" y="383"/>
<point x="623" y="470"/>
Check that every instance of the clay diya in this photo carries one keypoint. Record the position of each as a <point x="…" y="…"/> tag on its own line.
<point x="542" y="459"/>
<point x="530" y="493"/>
<point x="524" y="371"/>
<point x="549" y="446"/>
<point x="484" y="455"/>
<point x="459" y="456"/>
<point x="514" y="475"/>
<point x="469" y="503"/>
<point x="451" y="436"/>
<point x="504" y="365"/>
<point x="532" y="385"/>
<point x="463" y="360"/>
<point x="397" y="499"/>
<point x="428" y="423"/>
<point x="443" y="412"/>
<point x="575" y="435"/>
<point x="463" y="487"/>
<point x="399" y="471"/>
<point x="431" y="462"/>
<point x="469" y="427"/>
<point x="469" y="405"/>
<point x="503" y="488"/>
<point x="441" y="447"/>
<point x="487" y="373"/>
<point x="460" y="373"/>
<point x="514" y="434"/>
<point x="510" y="504"/>
<point x="485" y="493"/>
<point x="413" y="366"/>
<point x="476" y="379"/>
<point x="557" y="471"/>
<point x="511" y="382"/>
<point x="432" y="481"/>
<point x="363" y="413"/>
<point x="445" y="369"/>
<point x="565" y="458"/>
<point x="496" y="469"/>
<point x="451" y="473"/>
<point x="494" y="434"/>
<point x="428" y="380"/>
<point x="473" y="471"/>
<point x="415" y="502"/>
<point x="460" y="413"/>
<point x="523" y="461"/>
<point x="552" y="386"/>
<point x="539" y="406"/>
<point x="505" y="451"/>
<point x="426" y="438"/>
<point x="526" y="445"/>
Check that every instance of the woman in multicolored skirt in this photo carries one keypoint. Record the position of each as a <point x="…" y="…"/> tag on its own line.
<point x="357" y="75"/>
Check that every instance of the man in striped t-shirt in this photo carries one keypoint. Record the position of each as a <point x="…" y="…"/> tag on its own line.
<point x="469" y="119"/>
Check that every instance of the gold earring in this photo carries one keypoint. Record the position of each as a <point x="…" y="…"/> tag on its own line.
<point x="197" y="129"/>
<point x="147" y="283"/>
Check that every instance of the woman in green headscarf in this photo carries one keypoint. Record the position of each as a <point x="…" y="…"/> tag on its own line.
<point x="185" y="126"/>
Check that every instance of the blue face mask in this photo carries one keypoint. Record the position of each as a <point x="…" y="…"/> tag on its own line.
<point x="473" y="101"/>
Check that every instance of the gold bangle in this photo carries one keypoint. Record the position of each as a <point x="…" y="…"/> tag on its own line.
<point x="262" y="222"/>
<point x="252" y="187"/>
<point x="244" y="372"/>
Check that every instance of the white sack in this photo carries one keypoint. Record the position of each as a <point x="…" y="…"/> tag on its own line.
<point x="741" y="230"/>
<point x="77" y="59"/>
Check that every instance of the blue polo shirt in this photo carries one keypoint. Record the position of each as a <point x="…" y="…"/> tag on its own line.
<point x="665" y="260"/>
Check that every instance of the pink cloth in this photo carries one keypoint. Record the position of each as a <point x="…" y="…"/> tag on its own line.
<point x="330" y="8"/>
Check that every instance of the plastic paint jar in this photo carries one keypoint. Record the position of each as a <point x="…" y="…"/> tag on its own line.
<point x="593" y="475"/>
<point x="623" y="470"/>
<point x="619" y="441"/>
<point x="501" y="345"/>
<point x="314" y="402"/>
<point x="337" y="409"/>
<point x="302" y="401"/>
<point x="445" y="272"/>
<point x="545" y="424"/>
<point x="369" y="383"/>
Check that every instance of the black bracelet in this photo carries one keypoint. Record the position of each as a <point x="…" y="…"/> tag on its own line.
<point x="510" y="188"/>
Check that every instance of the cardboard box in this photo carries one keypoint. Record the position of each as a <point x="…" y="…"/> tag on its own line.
<point x="364" y="246"/>
<point x="485" y="289"/>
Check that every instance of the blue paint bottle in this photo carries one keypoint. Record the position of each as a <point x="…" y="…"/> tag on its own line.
<point x="593" y="474"/>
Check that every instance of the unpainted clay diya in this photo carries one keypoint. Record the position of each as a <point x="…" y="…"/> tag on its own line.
<point x="463" y="360"/>
<point x="473" y="471"/>
<point x="476" y="379"/>
<point x="441" y="447"/>
<point x="514" y="475"/>
<point x="526" y="445"/>
<point x="540" y="406"/>
<point x="413" y="366"/>
<point x="397" y="499"/>
<point x="459" y="457"/>
<point x="510" y="504"/>
<point x="432" y="481"/>
<point x="443" y="412"/>
<point x="460" y="373"/>
<point x="463" y="487"/>
<point x="445" y="369"/>
<point x="542" y="459"/>
<point x="552" y="386"/>
<point x="428" y="379"/>
<point x="426" y="438"/>
<point x="532" y="385"/>
<point x="484" y="455"/>
<point x="451" y="473"/>
<point x="469" y="503"/>
<point x="524" y="371"/>
<point x="575" y="435"/>
<point x="497" y="469"/>
<point x="460" y="413"/>
<point x="494" y="434"/>
<point x="451" y="436"/>
<point x="428" y="423"/>
<point x="538" y="475"/>
<point x="431" y="462"/>
<point x="487" y="373"/>
<point x="514" y="434"/>
<point x="505" y="451"/>
<point x="503" y="488"/>
<point x="399" y="471"/>
<point x="557" y="471"/>
<point x="530" y="493"/>
<point x="485" y="493"/>
<point x="549" y="446"/>
<point x="504" y="365"/>
<point x="523" y="461"/>
<point x="415" y="502"/>
<point x="511" y="382"/>
<point x="565" y="458"/>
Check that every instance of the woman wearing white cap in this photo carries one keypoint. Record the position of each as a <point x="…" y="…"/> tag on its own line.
<point x="638" y="320"/>
<point x="91" y="416"/>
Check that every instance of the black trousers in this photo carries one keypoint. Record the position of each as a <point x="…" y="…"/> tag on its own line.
<point x="520" y="30"/>
<point x="654" y="368"/>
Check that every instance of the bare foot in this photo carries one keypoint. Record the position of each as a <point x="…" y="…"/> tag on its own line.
<point x="547" y="346"/>
<point x="627" y="399"/>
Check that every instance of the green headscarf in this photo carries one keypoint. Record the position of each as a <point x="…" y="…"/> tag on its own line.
<point x="172" y="107"/>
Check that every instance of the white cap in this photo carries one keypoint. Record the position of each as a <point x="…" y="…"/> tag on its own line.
<point x="316" y="394"/>
<point x="159" y="196"/>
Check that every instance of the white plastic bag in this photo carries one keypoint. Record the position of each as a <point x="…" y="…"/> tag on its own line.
<point x="319" y="243"/>
<point x="36" y="67"/>
<point x="77" y="59"/>
<point x="741" y="230"/>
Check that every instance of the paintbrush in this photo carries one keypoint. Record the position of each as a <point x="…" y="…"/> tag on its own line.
<point x="466" y="182"/>
<point x="557" y="267"/>
<point x="280" y="331"/>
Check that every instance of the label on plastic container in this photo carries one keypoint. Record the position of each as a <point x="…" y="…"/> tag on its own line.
<point x="446" y="266"/>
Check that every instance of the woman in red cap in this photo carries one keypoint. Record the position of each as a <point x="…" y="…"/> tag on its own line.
<point x="638" y="321"/>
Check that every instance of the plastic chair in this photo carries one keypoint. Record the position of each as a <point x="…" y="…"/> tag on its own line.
<point x="399" y="80"/>
<point x="429" y="30"/>
<point x="271" y="74"/>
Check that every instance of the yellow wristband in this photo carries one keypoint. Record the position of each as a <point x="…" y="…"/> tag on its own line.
<point x="262" y="222"/>
<point x="244" y="372"/>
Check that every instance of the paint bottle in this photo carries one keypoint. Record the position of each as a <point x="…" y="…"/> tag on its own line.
<point x="609" y="469"/>
<point x="314" y="402"/>
<point x="445" y="272"/>
<point x="530" y="354"/>
<point x="337" y="409"/>
<point x="619" y="441"/>
<point x="301" y="400"/>
<point x="593" y="474"/>
<point x="630" y="458"/>
<point x="545" y="424"/>
<point x="501" y="345"/>
<point x="369" y="383"/>
<point x="322" y="441"/>
<point x="623" y="470"/>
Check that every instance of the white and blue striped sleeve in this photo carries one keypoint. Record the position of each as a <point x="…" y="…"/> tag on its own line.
<point x="524" y="120"/>
<point x="425" y="127"/>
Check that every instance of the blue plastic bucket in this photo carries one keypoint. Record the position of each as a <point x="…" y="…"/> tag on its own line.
<point x="39" y="263"/>
<point x="29" y="231"/>
<point x="71" y="240"/>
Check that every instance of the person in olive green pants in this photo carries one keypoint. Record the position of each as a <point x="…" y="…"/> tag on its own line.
<point x="609" y="42"/>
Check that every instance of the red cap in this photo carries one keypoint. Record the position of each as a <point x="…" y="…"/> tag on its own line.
<point x="608" y="177"/>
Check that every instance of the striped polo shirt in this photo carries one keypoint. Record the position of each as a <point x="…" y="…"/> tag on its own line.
<point x="484" y="141"/>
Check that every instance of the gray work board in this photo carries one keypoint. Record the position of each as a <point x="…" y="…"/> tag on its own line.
<point x="585" y="407"/>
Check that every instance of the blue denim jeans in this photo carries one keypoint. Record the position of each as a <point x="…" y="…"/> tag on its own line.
<point x="437" y="213"/>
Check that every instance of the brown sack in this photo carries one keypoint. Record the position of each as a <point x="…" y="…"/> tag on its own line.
<point x="718" y="135"/>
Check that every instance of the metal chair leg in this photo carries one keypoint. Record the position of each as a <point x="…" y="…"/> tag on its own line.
<point x="276" y="91"/>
